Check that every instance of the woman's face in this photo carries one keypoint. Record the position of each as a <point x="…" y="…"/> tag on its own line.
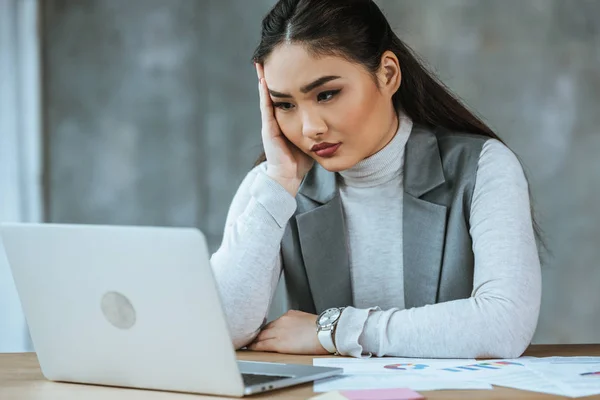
<point x="333" y="101"/>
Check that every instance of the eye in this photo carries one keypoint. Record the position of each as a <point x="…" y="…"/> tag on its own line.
<point x="284" y="106"/>
<point x="328" y="95"/>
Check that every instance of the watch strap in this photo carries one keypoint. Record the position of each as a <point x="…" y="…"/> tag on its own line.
<point x="326" y="339"/>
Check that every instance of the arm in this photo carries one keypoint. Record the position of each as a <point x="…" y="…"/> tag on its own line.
<point x="500" y="317"/>
<point x="247" y="265"/>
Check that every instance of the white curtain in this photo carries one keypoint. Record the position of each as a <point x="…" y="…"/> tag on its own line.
<point x="20" y="154"/>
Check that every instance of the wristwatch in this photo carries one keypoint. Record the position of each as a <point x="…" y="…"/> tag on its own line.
<point x="326" y="324"/>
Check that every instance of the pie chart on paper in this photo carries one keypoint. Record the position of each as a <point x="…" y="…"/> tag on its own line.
<point x="406" y="366"/>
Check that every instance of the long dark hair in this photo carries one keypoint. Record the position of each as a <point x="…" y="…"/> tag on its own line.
<point x="358" y="31"/>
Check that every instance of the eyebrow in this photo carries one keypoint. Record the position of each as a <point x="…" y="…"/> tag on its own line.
<point x="307" y="88"/>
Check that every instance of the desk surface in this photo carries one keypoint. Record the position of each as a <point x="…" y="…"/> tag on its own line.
<point x="21" y="378"/>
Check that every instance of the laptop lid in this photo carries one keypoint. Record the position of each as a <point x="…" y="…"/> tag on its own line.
<point x="123" y="306"/>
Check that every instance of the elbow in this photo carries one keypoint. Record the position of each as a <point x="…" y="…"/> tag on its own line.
<point x="243" y="334"/>
<point x="508" y="349"/>
<point x="501" y="346"/>
<point x="241" y="341"/>
<point x="519" y="337"/>
<point x="511" y="335"/>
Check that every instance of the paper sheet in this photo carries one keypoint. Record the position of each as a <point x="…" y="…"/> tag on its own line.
<point x="482" y="370"/>
<point x="566" y="376"/>
<point x="416" y="374"/>
<point x="358" y="382"/>
<point x="573" y="375"/>
<point x="371" y="394"/>
<point x="388" y="366"/>
<point x="382" y="394"/>
<point x="526" y="380"/>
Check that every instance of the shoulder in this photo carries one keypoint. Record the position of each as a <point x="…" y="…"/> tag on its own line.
<point x="484" y="150"/>
<point x="470" y="158"/>
<point x="459" y="152"/>
<point x="499" y="164"/>
<point x="494" y="151"/>
<point x="455" y="143"/>
<point x="477" y="152"/>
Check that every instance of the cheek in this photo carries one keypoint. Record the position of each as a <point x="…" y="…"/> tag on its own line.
<point x="289" y="127"/>
<point x="352" y="116"/>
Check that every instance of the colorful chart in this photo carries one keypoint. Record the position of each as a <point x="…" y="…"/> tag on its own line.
<point x="406" y="367"/>
<point x="482" y="366"/>
<point x="591" y="374"/>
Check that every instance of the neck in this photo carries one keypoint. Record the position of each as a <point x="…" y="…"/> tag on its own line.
<point x="391" y="132"/>
<point x="384" y="165"/>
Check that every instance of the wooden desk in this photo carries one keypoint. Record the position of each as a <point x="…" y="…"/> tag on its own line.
<point x="21" y="378"/>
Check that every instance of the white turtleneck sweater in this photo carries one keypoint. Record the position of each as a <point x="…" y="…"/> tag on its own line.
<point x="498" y="320"/>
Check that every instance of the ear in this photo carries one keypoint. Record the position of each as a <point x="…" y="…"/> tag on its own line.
<point x="389" y="74"/>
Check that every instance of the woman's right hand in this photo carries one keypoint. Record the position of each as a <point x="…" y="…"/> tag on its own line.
<point x="286" y="163"/>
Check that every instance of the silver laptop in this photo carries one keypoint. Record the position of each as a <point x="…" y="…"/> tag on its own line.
<point x="132" y="307"/>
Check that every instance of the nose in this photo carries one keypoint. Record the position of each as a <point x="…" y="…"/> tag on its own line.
<point x="312" y="124"/>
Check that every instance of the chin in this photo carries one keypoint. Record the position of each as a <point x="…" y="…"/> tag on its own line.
<point x="336" y="164"/>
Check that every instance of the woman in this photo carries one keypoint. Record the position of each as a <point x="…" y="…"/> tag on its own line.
<point x="402" y="223"/>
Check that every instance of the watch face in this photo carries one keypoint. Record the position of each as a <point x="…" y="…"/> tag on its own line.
<point x="329" y="317"/>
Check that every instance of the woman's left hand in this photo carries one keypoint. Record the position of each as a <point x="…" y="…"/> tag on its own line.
<point x="293" y="333"/>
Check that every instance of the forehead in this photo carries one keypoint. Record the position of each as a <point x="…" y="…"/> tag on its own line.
<point x="291" y="66"/>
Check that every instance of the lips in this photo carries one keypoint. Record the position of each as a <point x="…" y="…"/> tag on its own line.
<point x="323" y="146"/>
<point x="325" y="149"/>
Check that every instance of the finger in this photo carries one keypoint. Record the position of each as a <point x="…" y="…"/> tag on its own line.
<point x="266" y="106"/>
<point x="271" y="324"/>
<point x="260" y="73"/>
<point x="268" y="326"/>
<point x="263" y="90"/>
<point x="270" y="128"/>
<point x="265" y="345"/>
<point x="266" y="334"/>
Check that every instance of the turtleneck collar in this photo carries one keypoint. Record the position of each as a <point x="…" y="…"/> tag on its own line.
<point x="384" y="165"/>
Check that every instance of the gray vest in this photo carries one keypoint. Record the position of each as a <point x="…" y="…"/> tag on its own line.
<point x="439" y="176"/>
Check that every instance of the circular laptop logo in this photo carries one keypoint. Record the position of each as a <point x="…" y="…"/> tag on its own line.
<point x="117" y="309"/>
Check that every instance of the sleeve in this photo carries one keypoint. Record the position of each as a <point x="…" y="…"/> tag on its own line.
<point x="247" y="265"/>
<point x="500" y="317"/>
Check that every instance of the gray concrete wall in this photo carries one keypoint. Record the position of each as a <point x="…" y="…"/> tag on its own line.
<point x="152" y="115"/>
